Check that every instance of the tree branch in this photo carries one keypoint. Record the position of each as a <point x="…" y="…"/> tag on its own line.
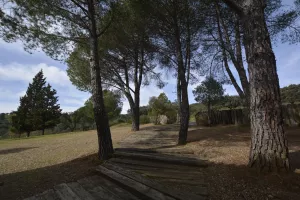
<point x="234" y="6"/>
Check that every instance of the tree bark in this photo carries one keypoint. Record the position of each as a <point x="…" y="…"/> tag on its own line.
<point x="43" y="131"/>
<point x="178" y="99"/>
<point x="209" y="113"/>
<point x="103" y="131"/>
<point x="269" y="148"/>
<point x="136" y="113"/>
<point x="184" y="104"/>
<point x="28" y="133"/>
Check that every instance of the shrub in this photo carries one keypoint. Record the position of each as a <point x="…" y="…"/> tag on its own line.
<point x="144" y="119"/>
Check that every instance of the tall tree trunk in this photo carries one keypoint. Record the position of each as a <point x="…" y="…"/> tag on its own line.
<point x="209" y="112"/>
<point x="269" y="148"/>
<point x="178" y="99"/>
<point x="28" y="133"/>
<point x="43" y="131"/>
<point x="184" y="104"/>
<point x="135" y="112"/>
<point x="103" y="131"/>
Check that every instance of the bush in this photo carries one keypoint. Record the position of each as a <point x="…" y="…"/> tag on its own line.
<point x="144" y="119"/>
<point x="201" y="119"/>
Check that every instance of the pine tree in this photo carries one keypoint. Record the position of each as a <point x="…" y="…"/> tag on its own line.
<point x="38" y="109"/>
<point x="36" y="94"/>
<point x="22" y="120"/>
<point x="51" y="109"/>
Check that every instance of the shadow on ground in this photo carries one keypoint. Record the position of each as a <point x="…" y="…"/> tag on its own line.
<point x="27" y="183"/>
<point x="225" y="181"/>
<point x="15" y="150"/>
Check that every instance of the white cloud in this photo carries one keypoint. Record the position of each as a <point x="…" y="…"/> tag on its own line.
<point x="19" y="72"/>
<point x="73" y="101"/>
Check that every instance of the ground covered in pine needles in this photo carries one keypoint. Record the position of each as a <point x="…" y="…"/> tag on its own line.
<point x="30" y="166"/>
<point x="228" y="177"/>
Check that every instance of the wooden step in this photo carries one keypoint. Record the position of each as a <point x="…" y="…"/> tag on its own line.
<point x="169" y="150"/>
<point x="157" y="165"/>
<point x="80" y="191"/>
<point x="48" y="195"/>
<point x="133" y="185"/>
<point x="163" y="158"/>
<point x="65" y="192"/>
<point x="166" y="174"/>
<point x="175" y="194"/>
<point x="96" y="190"/>
<point x="114" y="188"/>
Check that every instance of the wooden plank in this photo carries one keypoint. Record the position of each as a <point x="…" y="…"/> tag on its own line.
<point x="152" y="164"/>
<point x="164" y="174"/>
<point x="145" y="190"/>
<point x="170" y="150"/>
<point x="32" y="198"/>
<point x="65" y="193"/>
<point x="112" y="187"/>
<point x="180" y="195"/>
<point x="184" y="182"/>
<point x="96" y="190"/>
<point x="80" y="191"/>
<point x="167" y="159"/>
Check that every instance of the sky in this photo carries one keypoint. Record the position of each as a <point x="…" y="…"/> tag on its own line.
<point x="18" y="67"/>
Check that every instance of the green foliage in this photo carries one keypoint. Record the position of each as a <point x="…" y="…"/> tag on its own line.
<point x="4" y="124"/>
<point x="38" y="109"/>
<point x="230" y="102"/>
<point x="290" y="94"/>
<point x="210" y="91"/>
<point x="83" y="117"/>
<point x="144" y="119"/>
<point x="144" y="110"/>
<point x="79" y="68"/>
<point x="69" y="121"/>
<point x="161" y="105"/>
<point x="112" y="102"/>
<point x="196" y="107"/>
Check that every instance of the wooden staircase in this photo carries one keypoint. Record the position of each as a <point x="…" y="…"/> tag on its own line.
<point x="137" y="174"/>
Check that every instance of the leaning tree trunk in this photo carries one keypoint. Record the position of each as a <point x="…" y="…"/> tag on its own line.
<point x="269" y="148"/>
<point x="103" y="131"/>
